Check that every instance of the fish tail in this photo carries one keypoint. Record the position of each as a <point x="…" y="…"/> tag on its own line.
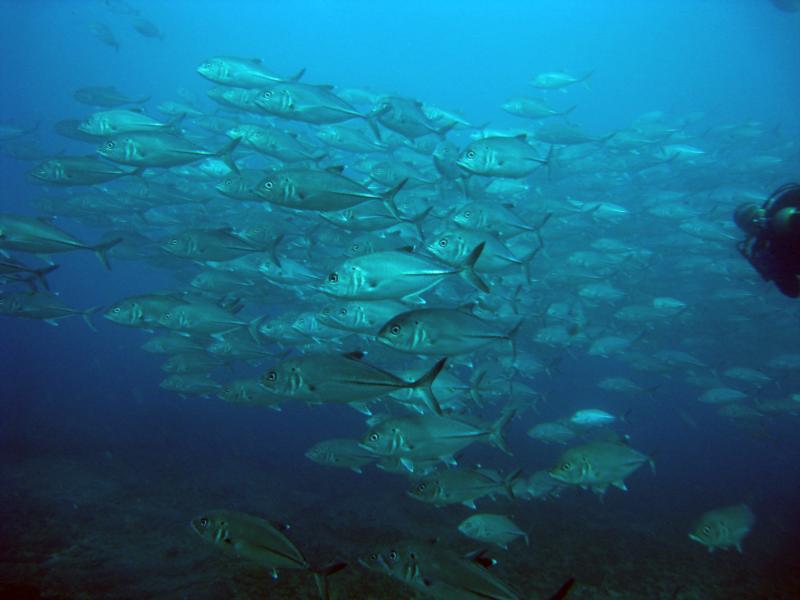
<point x="424" y="384"/>
<point x="297" y="76"/>
<point x="273" y="250"/>
<point x="527" y="260"/>
<point x="498" y="427"/>
<point x="548" y="162"/>
<point x="101" y="251"/>
<point x="373" y="125"/>
<point x="173" y="123"/>
<point x="226" y="154"/>
<point x="475" y="387"/>
<point x="87" y="316"/>
<point x="508" y="483"/>
<point x="417" y="221"/>
<point x="321" y="578"/>
<point x="467" y="271"/>
<point x="443" y="131"/>
<point x="562" y="592"/>
<point x="512" y="339"/>
<point x="253" y="326"/>
<point x="40" y="273"/>
<point x="388" y="199"/>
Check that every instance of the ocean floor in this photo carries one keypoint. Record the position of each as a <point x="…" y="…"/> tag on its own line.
<point x="89" y="526"/>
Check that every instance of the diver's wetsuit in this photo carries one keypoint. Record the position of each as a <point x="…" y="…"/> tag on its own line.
<point x="775" y="256"/>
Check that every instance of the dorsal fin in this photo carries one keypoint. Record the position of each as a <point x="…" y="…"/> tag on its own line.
<point x="255" y="61"/>
<point x="406" y="249"/>
<point x="354" y="355"/>
<point x="337" y="169"/>
<point x="521" y="136"/>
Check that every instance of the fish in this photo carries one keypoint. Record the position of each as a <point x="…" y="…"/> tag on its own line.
<point x="724" y="528"/>
<point x="454" y="245"/>
<point x="149" y="149"/>
<point x="143" y="311"/>
<point x="532" y="108"/>
<point x="103" y="33"/>
<point x="248" y="391"/>
<point x="209" y="245"/>
<point x="191" y="384"/>
<point x="598" y="465"/>
<point x="38" y="236"/>
<point x="316" y="104"/>
<point x="240" y="72"/>
<point x="552" y="433"/>
<point x="255" y="540"/>
<point x="462" y="486"/>
<point x="43" y="306"/>
<point x="430" y="436"/>
<point x="276" y="143"/>
<point x="14" y="270"/>
<point x="442" y="332"/>
<point x="359" y="316"/>
<point x="406" y="117"/>
<point x="148" y="29"/>
<point x="312" y="189"/>
<point x="492" y="529"/>
<point x="106" y="95"/>
<point x="78" y="170"/>
<point x="592" y="417"/>
<point x="109" y="123"/>
<point x="342" y="378"/>
<point x="341" y="452"/>
<point x="501" y="157"/>
<point x="395" y="275"/>
<point x="438" y="572"/>
<point x="555" y="80"/>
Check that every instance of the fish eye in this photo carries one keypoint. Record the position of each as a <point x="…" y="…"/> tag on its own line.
<point x="229" y="182"/>
<point x="421" y="487"/>
<point x="268" y="185"/>
<point x="395" y="329"/>
<point x="565" y="467"/>
<point x="268" y="94"/>
<point x="374" y="437"/>
<point x="468" y="213"/>
<point x="116" y="310"/>
<point x="110" y="145"/>
<point x="204" y="522"/>
<point x="333" y="277"/>
<point x="271" y="376"/>
<point x="373" y="556"/>
<point x="471" y="154"/>
<point x="393" y="555"/>
<point x="356" y="247"/>
<point x="706" y="529"/>
<point x="343" y="311"/>
<point x="443" y="243"/>
<point x="167" y="315"/>
<point x="173" y="242"/>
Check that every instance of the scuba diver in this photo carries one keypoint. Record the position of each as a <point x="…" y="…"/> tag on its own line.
<point x="772" y="245"/>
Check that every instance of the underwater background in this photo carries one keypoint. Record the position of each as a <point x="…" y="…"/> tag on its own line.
<point x="101" y="469"/>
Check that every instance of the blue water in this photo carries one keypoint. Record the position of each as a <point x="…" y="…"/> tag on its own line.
<point x="102" y="469"/>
